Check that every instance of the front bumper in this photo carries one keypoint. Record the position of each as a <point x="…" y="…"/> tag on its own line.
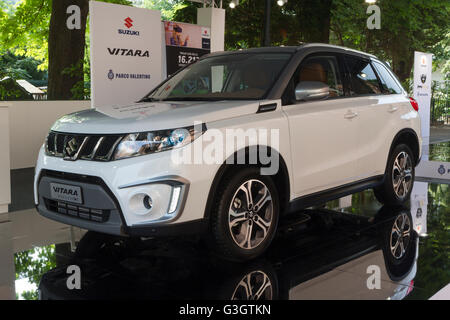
<point x="107" y="188"/>
<point x="100" y="210"/>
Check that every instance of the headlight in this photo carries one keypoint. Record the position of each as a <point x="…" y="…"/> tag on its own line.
<point x="137" y="144"/>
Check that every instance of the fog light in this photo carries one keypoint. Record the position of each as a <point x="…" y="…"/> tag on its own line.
<point x="148" y="202"/>
<point x="141" y="203"/>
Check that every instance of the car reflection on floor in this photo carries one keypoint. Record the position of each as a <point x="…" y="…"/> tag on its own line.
<point x="318" y="254"/>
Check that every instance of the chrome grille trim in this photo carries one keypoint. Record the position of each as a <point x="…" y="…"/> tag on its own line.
<point x="110" y="153"/>
<point x="55" y="143"/>
<point x="81" y="146"/>
<point x="97" y="145"/>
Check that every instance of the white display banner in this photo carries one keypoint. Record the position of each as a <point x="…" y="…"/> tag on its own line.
<point x="422" y="89"/>
<point x="419" y="204"/>
<point x="436" y="170"/>
<point x="126" y="53"/>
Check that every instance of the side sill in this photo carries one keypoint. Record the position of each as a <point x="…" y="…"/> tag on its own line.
<point x="334" y="193"/>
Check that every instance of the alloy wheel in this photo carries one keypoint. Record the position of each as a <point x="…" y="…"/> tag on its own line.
<point x="254" y="286"/>
<point x="250" y="214"/>
<point x="402" y="175"/>
<point x="400" y="236"/>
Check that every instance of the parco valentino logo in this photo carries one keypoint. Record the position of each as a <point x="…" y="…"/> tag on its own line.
<point x="110" y="74"/>
<point x="127" y="76"/>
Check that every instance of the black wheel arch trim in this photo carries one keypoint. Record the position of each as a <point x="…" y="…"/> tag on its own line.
<point x="397" y="137"/>
<point x="220" y="174"/>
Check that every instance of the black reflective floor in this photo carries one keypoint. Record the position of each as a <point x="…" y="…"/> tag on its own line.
<point x="349" y="249"/>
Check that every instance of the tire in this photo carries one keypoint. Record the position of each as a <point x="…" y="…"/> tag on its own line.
<point x="259" y="283"/>
<point x="240" y="230"/>
<point x="398" y="178"/>
<point x="399" y="243"/>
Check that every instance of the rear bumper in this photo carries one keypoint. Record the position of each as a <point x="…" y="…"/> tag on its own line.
<point x="100" y="210"/>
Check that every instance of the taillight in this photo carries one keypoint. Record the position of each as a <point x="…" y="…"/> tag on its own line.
<point x="414" y="104"/>
<point x="411" y="284"/>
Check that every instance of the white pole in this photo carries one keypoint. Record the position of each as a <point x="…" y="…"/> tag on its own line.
<point x="5" y="165"/>
<point x="422" y="90"/>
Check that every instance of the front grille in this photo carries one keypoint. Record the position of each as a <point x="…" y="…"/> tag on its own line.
<point x="97" y="215"/>
<point x="85" y="147"/>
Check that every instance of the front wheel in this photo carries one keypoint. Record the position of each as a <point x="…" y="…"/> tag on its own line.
<point x="245" y="215"/>
<point x="399" y="177"/>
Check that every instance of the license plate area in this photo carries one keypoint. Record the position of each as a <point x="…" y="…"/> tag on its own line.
<point x="66" y="192"/>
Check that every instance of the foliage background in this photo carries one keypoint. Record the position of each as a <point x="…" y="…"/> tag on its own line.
<point x="406" y="26"/>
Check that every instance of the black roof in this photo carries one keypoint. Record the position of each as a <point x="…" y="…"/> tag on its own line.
<point x="293" y="49"/>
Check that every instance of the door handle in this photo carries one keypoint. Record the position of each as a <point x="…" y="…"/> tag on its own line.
<point x="350" y="115"/>
<point x="392" y="109"/>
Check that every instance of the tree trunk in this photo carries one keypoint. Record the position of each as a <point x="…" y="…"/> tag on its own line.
<point x="267" y="12"/>
<point x="402" y="63"/>
<point x="65" y="50"/>
<point x="402" y="54"/>
<point x="400" y="44"/>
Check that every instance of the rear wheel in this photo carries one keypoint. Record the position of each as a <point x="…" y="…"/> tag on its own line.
<point x="398" y="241"/>
<point x="399" y="177"/>
<point x="245" y="215"/>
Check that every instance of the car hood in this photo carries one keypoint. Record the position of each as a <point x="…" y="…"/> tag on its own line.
<point x="147" y="116"/>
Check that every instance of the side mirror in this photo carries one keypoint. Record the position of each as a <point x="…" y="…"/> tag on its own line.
<point x="311" y="90"/>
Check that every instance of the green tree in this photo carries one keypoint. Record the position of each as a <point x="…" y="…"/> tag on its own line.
<point x="442" y="55"/>
<point x="433" y="264"/>
<point x="313" y="19"/>
<point x="406" y="26"/>
<point x="32" y="264"/>
<point x="17" y="67"/>
<point x="167" y="7"/>
<point x="244" y="24"/>
<point x="25" y="29"/>
<point x="20" y="67"/>
<point x="37" y="28"/>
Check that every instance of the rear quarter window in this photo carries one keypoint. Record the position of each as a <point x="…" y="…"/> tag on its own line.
<point x="389" y="84"/>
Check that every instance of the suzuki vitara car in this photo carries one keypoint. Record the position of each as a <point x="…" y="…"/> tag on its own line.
<point x="230" y="144"/>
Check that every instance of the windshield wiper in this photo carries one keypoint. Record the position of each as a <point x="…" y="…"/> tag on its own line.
<point x="149" y="99"/>
<point x="192" y="99"/>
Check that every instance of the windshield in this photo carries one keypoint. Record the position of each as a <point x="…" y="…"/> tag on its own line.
<point x="229" y="77"/>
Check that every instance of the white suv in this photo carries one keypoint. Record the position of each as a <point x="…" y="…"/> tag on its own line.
<point x="229" y="144"/>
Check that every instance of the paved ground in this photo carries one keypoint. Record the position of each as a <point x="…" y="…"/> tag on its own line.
<point x="439" y="134"/>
